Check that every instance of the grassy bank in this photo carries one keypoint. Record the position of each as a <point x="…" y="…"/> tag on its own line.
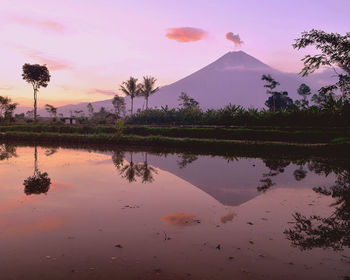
<point x="223" y="147"/>
<point x="219" y="133"/>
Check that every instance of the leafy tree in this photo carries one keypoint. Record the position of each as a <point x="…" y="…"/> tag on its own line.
<point x="271" y="84"/>
<point x="132" y="89"/>
<point x="147" y="88"/>
<point x="38" y="76"/>
<point x="51" y="110"/>
<point x="119" y="105"/>
<point x="188" y="102"/>
<point x="90" y="110"/>
<point x="304" y="91"/>
<point x="334" y="50"/>
<point x="327" y="100"/>
<point x="279" y="101"/>
<point x="6" y="108"/>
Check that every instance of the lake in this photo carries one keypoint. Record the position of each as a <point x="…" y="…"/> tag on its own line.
<point x="123" y="214"/>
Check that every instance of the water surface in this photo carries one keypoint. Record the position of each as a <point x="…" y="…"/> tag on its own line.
<point x="79" y="214"/>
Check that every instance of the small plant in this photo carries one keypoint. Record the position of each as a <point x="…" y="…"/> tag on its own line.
<point x="120" y="126"/>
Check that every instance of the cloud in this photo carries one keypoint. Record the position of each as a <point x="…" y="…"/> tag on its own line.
<point x="39" y="57"/>
<point x="234" y="38"/>
<point x="7" y="88"/>
<point x="180" y="219"/>
<point x="49" y="25"/>
<point x="186" y="34"/>
<point x="102" y="92"/>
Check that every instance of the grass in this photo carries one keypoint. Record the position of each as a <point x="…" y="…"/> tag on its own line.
<point x="219" y="133"/>
<point x="189" y="145"/>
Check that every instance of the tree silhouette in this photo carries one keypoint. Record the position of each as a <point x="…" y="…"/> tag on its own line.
<point x="334" y="50"/>
<point x="132" y="89"/>
<point x="38" y="183"/>
<point x="6" y="108"/>
<point x="148" y="88"/>
<point x="304" y="91"/>
<point x="271" y="84"/>
<point x="119" y="105"/>
<point x="38" y="76"/>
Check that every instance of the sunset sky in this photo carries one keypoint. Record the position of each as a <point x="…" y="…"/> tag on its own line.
<point x="91" y="46"/>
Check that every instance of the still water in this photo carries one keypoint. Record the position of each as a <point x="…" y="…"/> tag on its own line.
<point x="80" y="214"/>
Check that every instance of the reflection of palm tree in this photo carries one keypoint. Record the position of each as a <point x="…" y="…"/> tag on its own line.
<point x="129" y="171"/>
<point x="7" y="151"/>
<point x="145" y="171"/>
<point x="39" y="182"/>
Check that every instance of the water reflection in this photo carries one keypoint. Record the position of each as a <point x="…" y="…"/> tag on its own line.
<point x="7" y="151"/>
<point x="197" y="204"/>
<point x="38" y="183"/>
<point x="332" y="231"/>
<point x="130" y="171"/>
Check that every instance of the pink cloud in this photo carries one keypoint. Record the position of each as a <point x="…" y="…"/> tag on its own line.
<point x="43" y="24"/>
<point x="102" y="92"/>
<point x="234" y="38"/>
<point x="7" y="88"/>
<point x="39" y="57"/>
<point x="186" y="34"/>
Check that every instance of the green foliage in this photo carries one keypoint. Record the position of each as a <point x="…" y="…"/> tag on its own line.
<point x="120" y="127"/>
<point x="187" y="102"/>
<point x="6" y="109"/>
<point x="334" y="50"/>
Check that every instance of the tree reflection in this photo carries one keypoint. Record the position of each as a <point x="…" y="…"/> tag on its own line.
<point x="38" y="183"/>
<point x="118" y="158"/>
<point x="325" y="232"/>
<point x="276" y="167"/>
<point x="7" y="151"/>
<point x="129" y="171"/>
<point x="186" y="159"/>
<point x="146" y="171"/>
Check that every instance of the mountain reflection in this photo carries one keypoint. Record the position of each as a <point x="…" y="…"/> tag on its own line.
<point x="38" y="183"/>
<point x="333" y="231"/>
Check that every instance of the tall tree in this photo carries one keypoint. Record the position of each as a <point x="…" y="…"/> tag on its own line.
<point x="90" y="110"/>
<point x="148" y="88"/>
<point x="188" y="102"/>
<point x="304" y="91"/>
<point x="38" y="76"/>
<point x="119" y="105"/>
<point x="334" y="50"/>
<point x="132" y="89"/>
<point x="271" y="84"/>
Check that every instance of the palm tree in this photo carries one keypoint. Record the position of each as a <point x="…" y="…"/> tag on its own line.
<point x="148" y="88"/>
<point x="132" y="89"/>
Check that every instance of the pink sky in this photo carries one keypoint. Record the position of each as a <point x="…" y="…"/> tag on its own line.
<point x="91" y="46"/>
